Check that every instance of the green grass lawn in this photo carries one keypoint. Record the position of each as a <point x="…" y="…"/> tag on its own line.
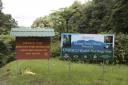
<point x="56" y="72"/>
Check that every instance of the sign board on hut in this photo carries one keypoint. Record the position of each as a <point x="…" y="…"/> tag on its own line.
<point x="87" y="46"/>
<point x="32" y="43"/>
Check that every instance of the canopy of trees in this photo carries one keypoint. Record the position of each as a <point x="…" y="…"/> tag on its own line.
<point x="119" y="16"/>
<point x="95" y="16"/>
<point x="6" y="21"/>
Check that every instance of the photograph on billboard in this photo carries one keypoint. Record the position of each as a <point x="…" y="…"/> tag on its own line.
<point x="87" y="46"/>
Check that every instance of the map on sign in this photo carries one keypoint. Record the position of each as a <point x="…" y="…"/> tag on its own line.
<point x="87" y="46"/>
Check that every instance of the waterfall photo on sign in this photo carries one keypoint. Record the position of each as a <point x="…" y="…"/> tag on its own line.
<point x="87" y="46"/>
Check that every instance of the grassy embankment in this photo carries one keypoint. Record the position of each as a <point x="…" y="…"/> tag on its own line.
<point x="58" y="73"/>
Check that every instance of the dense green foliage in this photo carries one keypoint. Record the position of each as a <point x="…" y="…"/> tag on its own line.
<point x="7" y="47"/>
<point x="6" y="23"/>
<point x="7" y="43"/>
<point x="96" y="16"/>
<point x="119" y="16"/>
<point x="55" y="48"/>
<point x="121" y="48"/>
<point x="61" y="19"/>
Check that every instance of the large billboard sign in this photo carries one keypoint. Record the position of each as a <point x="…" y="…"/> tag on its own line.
<point x="32" y="47"/>
<point x="87" y="46"/>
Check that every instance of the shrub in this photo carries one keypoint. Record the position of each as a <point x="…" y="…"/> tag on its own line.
<point x="55" y="46"/>
<point x="121" y="48"/>
<point x="7" y="47"/>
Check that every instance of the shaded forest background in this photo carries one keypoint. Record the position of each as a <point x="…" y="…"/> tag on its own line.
<point x="96" y="16"/>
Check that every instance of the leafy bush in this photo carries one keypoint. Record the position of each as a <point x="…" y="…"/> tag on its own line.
<point x="56" y="48"/>
<point x="7" y="47"/>
<point x="121" y="48"/>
